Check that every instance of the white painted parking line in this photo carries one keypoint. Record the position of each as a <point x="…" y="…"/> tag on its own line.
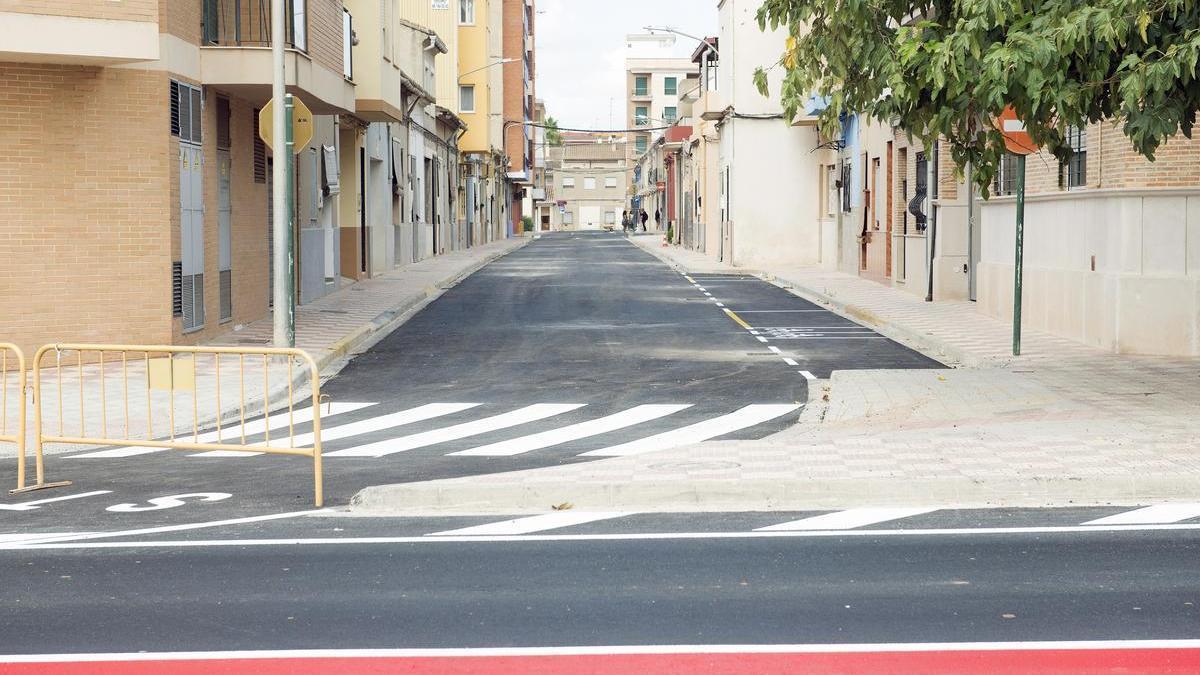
<point x="504" y="421"/>
<point x="541" y="523"/>
<point x="696" y="433"/>
<point x="277" y="420"/>
<point x="37" y="503"/>
<point x="1161" y="513"/>
<point x="762" y="339"/>
<point x="845" y="520"/>
<point x="372" y="424"/>
<point x="625" y="418"/>
<point x="774" y="349"/>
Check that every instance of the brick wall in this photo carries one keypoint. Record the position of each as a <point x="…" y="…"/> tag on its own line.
<point x="122" y="10"/>
<point x="84" y="202"/>
<point x="514" y="81"/>
<point x="181" y="18"/>
<point x="325" y="33"/>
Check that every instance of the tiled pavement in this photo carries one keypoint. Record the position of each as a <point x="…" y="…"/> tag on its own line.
<point x="1063" y="423"/>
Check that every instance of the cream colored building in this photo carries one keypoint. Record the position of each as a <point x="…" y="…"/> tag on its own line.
<point x="589" y="185"/>
<point x="480" y="87"/>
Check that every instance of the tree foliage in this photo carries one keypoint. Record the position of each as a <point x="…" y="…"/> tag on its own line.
<point x="553" y="135"/>
<point x="946" y="68"/>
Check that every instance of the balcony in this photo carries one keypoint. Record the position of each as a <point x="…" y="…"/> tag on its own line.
<point x="235" y="52"/>
<point x="108" y="34"/>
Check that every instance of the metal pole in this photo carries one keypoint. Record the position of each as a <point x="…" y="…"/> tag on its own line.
<point x="279" y="179"/>
<point x="290" y="270"/>
<point x="1019" y="255"/>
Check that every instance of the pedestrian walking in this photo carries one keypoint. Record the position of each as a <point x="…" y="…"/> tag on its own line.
<point x="645" y="216"/>
<point x="657" y="219"/>
<point x="625" y="221"/>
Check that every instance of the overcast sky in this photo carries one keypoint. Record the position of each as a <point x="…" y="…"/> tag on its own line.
<point x="580" y="52"/>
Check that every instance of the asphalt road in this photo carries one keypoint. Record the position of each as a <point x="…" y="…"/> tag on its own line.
<point x="914" y="588"/>
<point x="582" y="337"/>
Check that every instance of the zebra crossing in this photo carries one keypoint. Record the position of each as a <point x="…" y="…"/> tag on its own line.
<point x="354" y="430"/>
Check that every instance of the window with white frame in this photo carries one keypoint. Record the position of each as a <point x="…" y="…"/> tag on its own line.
<point x="640" y="144"/>
<point x="671" y="86"/>
<point x="568" y="181"/>
<point x="466" y="12"/>
<point x="610" y="217"/>
<point x="466" y="98"/>
<point x="670" y="114"/>
<point x="589" y="183"/>
<point x="641" y="115"/>
<point x="610" y="182"/>
<point x="568" y="218"/>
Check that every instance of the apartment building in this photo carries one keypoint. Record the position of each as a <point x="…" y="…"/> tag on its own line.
<point x="480" y="85"/>
<point x="589" y="184"/>
<point x="702" y="108"/>
<point x="519" y="100"/>
<point x="135" y="191"/>
<point x="653" y="76"/>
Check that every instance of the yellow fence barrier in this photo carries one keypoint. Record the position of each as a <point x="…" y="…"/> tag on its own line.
<point x="105" y="379"/>
<point x="13" y="425"/>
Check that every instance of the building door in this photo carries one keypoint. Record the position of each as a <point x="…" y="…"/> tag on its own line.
<point x="225" y="233"/>
<point x="191" y="221"/>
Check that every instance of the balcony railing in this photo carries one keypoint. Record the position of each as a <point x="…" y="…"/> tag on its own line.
<point x="247" y="23"/>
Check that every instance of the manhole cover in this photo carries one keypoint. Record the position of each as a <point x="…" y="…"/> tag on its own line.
<point x="695" y="466"/>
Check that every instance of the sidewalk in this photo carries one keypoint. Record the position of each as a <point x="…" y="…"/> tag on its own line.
<point x="329" y="329"/>
<point x="1062" y="424"/>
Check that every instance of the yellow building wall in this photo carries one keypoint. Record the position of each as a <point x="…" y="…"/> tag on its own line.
<point x="444" y="22"/>
<point x="472" y="54"/>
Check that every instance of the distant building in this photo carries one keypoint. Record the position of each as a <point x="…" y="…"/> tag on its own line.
<point x="589" y="187"/>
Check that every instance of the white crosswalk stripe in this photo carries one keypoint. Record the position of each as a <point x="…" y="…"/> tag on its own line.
<point x="546" y="439"/>
<point x="545" y="521"/>
<point x="846" y="520"/>
<point x="278" y="420"/>
<point x="1151" y="515"/>
<point x="389" y="421"/>
<point x="701" y="431"/>
<point x="495" y="423"/>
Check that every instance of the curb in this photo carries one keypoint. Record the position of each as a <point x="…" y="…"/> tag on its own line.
<point x="663" y="496"/>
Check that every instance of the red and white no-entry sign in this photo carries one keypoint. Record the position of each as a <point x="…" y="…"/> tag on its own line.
<point x="1016" y="138"/>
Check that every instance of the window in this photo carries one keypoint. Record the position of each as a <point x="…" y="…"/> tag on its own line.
<point x="568" y="218"/>
<point x="845" y="187"/>
<point x="670" y="114"/>
<point x="1076" y="165"/>
<point x="185" y="112"/>
<point x="610" y="182"/>
<point x="610" y="217"/>
<point x="640" y="144"/>
<point x="641" y="85"/>
<point x="589" y="183"/>
<point x="466" y="12"/>
<point x="260" y="154"/>
<point x="641" y="116"/>
<point x="568" y="182"/>
<point x="347" y="45"/>
<point x="1006" y="176"/>
<point x="299" y="25"/>
<point x="671" y="86"/>
<point x="466" y="98"/>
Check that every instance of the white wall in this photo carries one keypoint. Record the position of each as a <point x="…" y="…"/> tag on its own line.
<point x="1143" y="295"/>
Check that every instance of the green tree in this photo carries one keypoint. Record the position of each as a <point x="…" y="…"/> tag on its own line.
<point x="948" y="74"/>
<point x="553" y="135"/>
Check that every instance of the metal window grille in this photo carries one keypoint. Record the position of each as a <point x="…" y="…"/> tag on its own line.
<point x="186" y="106"/>
<point x="226" y="295"/>
<point x="1077" y="163"/>
<point x="177" y="289"/>
<point x="260" y="154"/>
<point x="224" y="136"/>
<point x="1005" y="182"/>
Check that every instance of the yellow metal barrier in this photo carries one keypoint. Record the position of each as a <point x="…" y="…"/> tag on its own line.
<point x="162" y="371"/>
<point x="15" y="433"/>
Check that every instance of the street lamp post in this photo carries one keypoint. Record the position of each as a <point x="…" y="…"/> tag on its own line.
<point x="668" y="29"/>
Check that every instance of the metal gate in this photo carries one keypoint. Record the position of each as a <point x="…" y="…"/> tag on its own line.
<point x="191" y="221"/>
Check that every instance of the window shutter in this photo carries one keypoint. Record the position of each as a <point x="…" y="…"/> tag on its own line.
<point x="174" y="108"/>
<point x="177" y="289"/>
<point x="260" y="154"/>
<point x="224" y="137"/>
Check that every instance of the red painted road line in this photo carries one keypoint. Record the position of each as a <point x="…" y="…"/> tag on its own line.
<point x="1007" y="662"/>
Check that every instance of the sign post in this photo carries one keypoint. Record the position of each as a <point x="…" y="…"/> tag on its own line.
<point x="1018" y="142"/>
<point x="297" y="131"/>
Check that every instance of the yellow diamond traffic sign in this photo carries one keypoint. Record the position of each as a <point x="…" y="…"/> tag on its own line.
<point x="302" y="124"/>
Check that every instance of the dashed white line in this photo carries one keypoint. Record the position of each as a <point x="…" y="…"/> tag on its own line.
<point x="846" y="520"/>
<point x="540" y="523"/>
<point x="701" y="431"/>
<point x="790" y="362"/>
<point x="774" y="349"/>
<point x="762" y="339"/>
<point x="1162" y="513"/>
<point x="546" y="439"/>
<point x="807" y="375"/>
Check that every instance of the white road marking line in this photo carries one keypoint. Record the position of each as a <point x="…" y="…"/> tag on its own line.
<point x="754" y="332"/>
<point x="701" y="288"/>
<point x="846" y="520"/>
<point x="762" y="339"/>
<point x="808" y="376"/>
<point x="1158" y="514"/>
<point x="503" y="421"/>
<point x="539" y="523"/>
<point x="229" y="432"/>
<point x="645" y="536"/>
<point x="829" y="337"/>
<point x="625" y="418"/>
<point x="610" y="650"/>
<point x="790" y="362"/>
<point x="371" y="424"/>
<point x="32" y="536"/>
<point x="778" y="311"/>
<point x="720" y="304"/>
<point x="62" y="540"/>
<point x="34" y="505"/>
<point x="696" y="433"/>
<point x="774" y="349"/>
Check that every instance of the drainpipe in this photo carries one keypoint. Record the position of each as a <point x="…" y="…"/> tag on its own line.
<point x="931" y="241"/>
